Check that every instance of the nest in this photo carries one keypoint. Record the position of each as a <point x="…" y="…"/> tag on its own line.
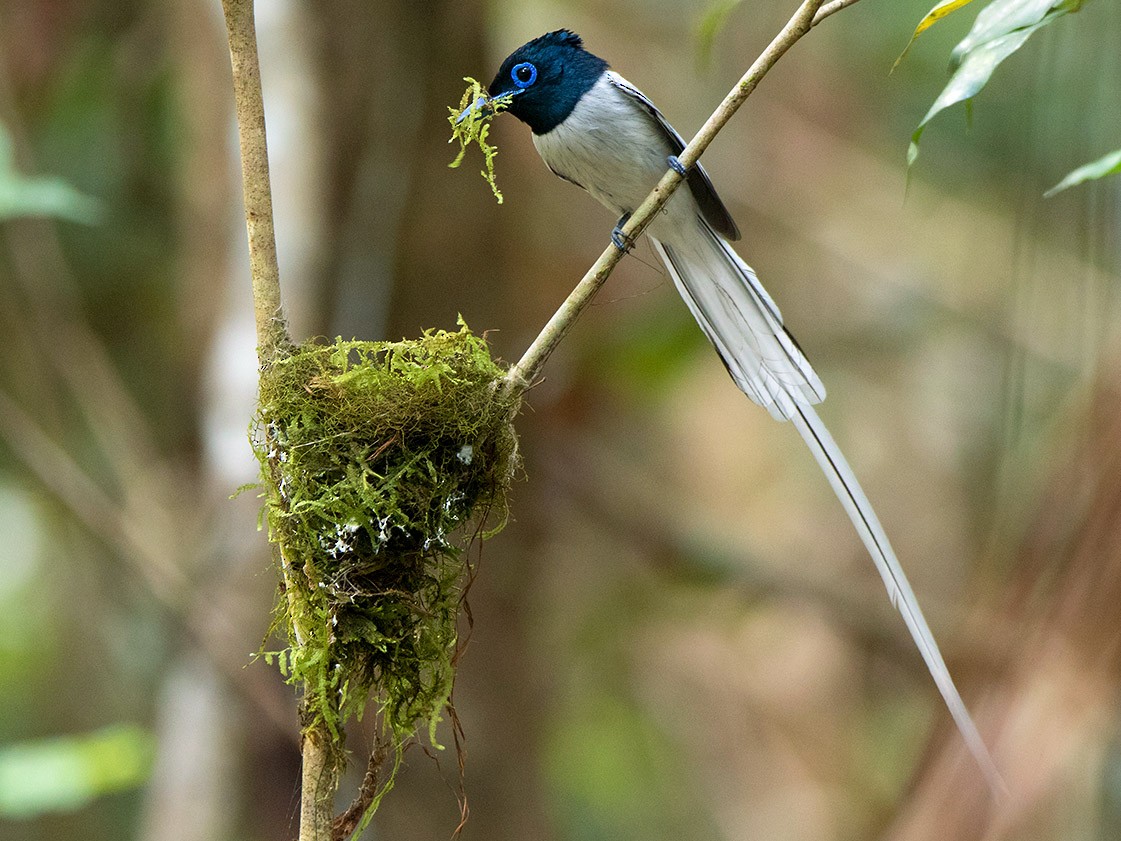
<point x="381" y="462"/>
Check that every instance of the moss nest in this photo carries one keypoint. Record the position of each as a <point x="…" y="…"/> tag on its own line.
<point x="381" y="463"/>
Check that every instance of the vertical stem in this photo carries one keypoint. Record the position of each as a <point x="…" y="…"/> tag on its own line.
<point x="272" y="333"/>
<point x="317" y="787"/>
<point x="320" y="777"/>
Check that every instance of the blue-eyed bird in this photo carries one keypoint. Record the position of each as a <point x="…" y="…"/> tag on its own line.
<point x="595" y="129"/>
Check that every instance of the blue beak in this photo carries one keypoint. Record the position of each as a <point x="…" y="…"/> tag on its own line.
<point x="483" y="102"/>
<point x="479" y="104"/>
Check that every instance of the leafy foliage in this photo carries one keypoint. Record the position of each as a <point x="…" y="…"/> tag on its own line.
<point x="471" y="124"/>
<point x="376" y="458"/>
<point x="1000" y="29"/>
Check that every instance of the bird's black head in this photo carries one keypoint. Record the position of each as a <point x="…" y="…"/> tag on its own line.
<point x="547" y="77"/>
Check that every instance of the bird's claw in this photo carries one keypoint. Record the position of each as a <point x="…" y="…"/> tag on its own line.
<point x="620" y="240"/>
<point x="677" y="166"/>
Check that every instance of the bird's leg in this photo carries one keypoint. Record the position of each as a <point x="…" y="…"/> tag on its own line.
<point x="677" y="166"/>
<point x="620" y="240"/>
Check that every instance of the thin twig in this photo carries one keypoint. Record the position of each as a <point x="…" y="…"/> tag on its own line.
<point x="522" y="375"/>
<point x="829" y="8"/>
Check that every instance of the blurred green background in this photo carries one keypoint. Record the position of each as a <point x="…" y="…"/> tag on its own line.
<point x="679" y="635"/>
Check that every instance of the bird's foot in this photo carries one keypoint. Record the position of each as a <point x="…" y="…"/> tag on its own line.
<point x="620" y="240"/>
<point x="677" y="166"/>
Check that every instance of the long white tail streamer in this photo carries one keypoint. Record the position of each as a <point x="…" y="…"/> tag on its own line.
<point x="742" y="322"/>
<point x="863" y="516"/>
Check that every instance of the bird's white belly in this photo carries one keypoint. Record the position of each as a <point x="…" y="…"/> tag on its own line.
<point x="605" y="147"/>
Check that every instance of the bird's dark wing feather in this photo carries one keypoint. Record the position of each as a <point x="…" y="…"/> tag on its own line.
<point x="712" y="208"/>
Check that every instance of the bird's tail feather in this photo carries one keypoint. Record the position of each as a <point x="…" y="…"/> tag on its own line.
<point x="860" y="511"/>
<point x="741" y="320"/>
<point x="743" y="323"/>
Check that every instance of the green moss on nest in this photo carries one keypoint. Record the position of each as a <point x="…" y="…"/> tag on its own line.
<point x="380" y="460"/>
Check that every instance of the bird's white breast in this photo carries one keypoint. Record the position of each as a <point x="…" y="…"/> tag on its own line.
<point x="609" y="146"/>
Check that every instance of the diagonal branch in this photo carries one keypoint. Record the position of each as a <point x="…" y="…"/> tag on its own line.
<point x="809" y="14"/>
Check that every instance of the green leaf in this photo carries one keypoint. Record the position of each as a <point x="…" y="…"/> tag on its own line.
<point x="972" y="74"/>
<point x="1001" y="28"/>
<point x="932" y="17"/>
<point x="45" y="196"/>
<point x="66" y="773"/>
<point x="1108" y="165"/>
<point x="1000" y="18"/>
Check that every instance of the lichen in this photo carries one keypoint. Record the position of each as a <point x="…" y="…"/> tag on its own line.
<point x="381" y="462"/>
<point x="473" y="126"/>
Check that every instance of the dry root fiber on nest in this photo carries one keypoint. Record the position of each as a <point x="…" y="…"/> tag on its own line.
<point x="380" y="462"/>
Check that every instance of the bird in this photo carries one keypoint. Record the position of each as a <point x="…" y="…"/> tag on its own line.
<point x="596" y="130"/>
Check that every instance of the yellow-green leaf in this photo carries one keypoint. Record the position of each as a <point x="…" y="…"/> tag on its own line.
<point x="938" y="12"/>
<point x="1000" y="29"/>
<point x="932" y="17"/>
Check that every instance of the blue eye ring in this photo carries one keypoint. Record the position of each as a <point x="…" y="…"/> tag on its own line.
<point x="519" y="74"/>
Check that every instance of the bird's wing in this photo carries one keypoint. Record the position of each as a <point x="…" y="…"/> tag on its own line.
<point x="712" y="208"/>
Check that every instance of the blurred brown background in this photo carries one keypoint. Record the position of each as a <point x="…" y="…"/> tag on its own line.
<point x="679" y="635"/>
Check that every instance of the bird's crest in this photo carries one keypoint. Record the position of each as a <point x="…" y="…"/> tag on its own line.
<point x="562" y="38"/>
